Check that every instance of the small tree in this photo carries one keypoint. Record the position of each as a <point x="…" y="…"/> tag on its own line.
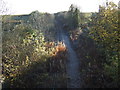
<point x="73" y="16"/>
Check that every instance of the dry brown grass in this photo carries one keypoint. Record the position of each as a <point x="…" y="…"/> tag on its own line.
<point x="61" y="47"/>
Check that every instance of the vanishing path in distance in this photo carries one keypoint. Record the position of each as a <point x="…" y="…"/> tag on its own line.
<point x="73" y="63"/>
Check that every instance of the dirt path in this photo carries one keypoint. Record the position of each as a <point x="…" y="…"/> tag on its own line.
<point x="73" y="65"/>
<point x="73" y="62"/>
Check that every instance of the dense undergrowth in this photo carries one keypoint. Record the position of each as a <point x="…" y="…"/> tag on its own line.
<point x="43" y="73"/>
<point x="30" y="59"/>
<point x="96" y="43"/>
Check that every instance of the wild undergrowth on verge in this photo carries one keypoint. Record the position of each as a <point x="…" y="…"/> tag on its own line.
<point x="26" y="53"/>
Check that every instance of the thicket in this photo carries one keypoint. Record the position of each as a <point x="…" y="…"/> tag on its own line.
<point x="96" y="43"/>
<point x="105" y="32"/>
<point x="28" y="60"/>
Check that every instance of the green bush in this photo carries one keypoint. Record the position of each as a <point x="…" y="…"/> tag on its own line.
<point x="104" y="31"/>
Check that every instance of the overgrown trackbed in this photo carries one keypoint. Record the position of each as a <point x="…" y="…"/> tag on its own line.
<point x="73" y="62"/>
